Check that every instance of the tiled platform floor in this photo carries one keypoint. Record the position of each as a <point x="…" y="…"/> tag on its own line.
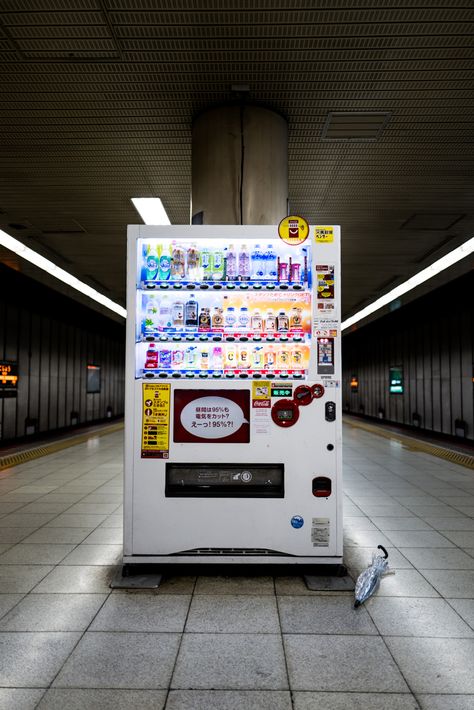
<point x="67" y="641"/>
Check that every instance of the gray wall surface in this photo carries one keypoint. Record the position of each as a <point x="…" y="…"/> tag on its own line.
<point x="53" y="339"/>
<point x="432" y="340"/>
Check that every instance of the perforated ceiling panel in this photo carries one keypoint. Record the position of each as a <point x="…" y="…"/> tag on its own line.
<point x="98" y="97"/>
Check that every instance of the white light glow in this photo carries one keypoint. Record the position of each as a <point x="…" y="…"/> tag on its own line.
<point x="46" y="265"/>
<point x="444" y="263"/>
<point x="151" y="210"/>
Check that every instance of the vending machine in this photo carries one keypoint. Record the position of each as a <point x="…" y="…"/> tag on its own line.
<point x="233" y="404"/>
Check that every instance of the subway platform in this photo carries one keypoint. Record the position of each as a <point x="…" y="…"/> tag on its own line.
<point x="257" y="642"/>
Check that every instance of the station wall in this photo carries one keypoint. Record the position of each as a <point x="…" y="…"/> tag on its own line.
<point x="53" y="340"/>
<point x="431" y="341"/>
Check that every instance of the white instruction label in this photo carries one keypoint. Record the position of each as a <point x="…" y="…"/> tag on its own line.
<point x="320" y="532"/>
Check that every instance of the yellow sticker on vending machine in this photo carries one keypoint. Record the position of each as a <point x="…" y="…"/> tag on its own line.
<point x="324" y="235"/>
<point x="155" y="421"/>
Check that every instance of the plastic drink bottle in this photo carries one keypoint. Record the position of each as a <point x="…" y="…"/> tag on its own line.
<point x="230" y="356"/>
<point x="257" y="356"/>
<point x="205" y="319"/>
<point x="244" y="263"/>
<point x="151" y="360"/>
<point x="231" y="264"/>
<point x="217" y="318"/>
<point x="178" y="314"/>
<point x="269" y="357"/>
<point x="282" y="322"/>
<point x="256" y="321"/>
<point x="191" y="313"/>
<point x="165" y="358"/>
<point x="270" y="322"/>
<point x="166" y="322"/>
<point x="177" y="358"/>
<point x="204" y="364"/>
<point x="150" y="322"/>
<point x="297" y="358"/>
<point x="271" y="271"/>
<point x="178" y="262"/>
<point x="244" y="318"/>
<point x="218" y="265"/>
<point x="151" y="265"/>
<point x="230" y="317"/>
<point x="295" y="272"/>
<point x="205" y="259"/>
<point x="192" y="259"/>
<point x="165" y="265"/>
<point x="217" y="358"/>
<point x="296" y="320"/>
<point x="283" y="359"/>
<point x="283" y="273"/>
<point x="244" y="356"/>
<point x="257" y="262"/>
<point x="190" y="356"/>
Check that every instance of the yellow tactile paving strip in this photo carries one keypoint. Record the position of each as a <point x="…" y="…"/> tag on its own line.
<point x="408" y="442"/>
<point x="37" y="452"/>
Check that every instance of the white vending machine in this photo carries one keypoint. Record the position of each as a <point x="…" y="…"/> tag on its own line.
<point x="233" y="399"/>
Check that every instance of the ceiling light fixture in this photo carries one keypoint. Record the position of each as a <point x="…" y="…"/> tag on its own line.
<point x="440" y="265"/>
<point x="151" y="210"/>
<point x="46" y="265"/>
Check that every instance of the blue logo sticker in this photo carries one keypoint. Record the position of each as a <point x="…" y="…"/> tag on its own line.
<point x="297" y="521"/>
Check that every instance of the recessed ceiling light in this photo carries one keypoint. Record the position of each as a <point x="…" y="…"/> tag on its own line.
<point x="440" y="265"/>
<point x="46" y="265"/>
<point x="151" y="210"/>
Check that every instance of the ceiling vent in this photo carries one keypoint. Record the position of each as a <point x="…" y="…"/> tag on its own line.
<point x="354" y="126"/>
<point x="432" y="221"/>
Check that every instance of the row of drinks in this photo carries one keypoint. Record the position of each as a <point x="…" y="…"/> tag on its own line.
<point x="177" y="262"/>
<point x="230" y="356"/>
<point x="162" y="315"/>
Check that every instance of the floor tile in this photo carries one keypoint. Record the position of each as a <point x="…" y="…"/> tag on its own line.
<point x="233" y="614"/>
<point x="87" y="699"/>
<point x="406" y="523"/>
<point x="95" y="555"/>
<point x="435" y="665"/>
<point x="113" y="521"/>
<point x="142" y="612"/>
<point x="465" y="609"/>
<point x="7" y="601"/>
<point x="234" y="585"/>
<point x="443" y="558"/>
<point x="230" y="661"/>
<point x="26" y="520"/>
<point x="323" y="615"/>
<point x="120" y="660"/>
<point x="19" y="698"/>
<point x="418" y="538"/>
<point x="463" y="538"/>
<point x="93" y="508"/>
<point x="14" y="535"/>
<point x="361" y="557"/>
<point x="446" y="702"/>
<point x="341" y="663"/>
<point x="68" y="520"/>
<point x="53" y="612"/>
<point x="229" y="700"/>
<point x="358" y="523"/>
<point x="77" y="580"/>
<point x="293" y="586"/>
<point x="25" y="554"/>
<point x="58" y="536"/>
<point x="361" y="538"/>
<point x="416" y="617"/>
<point x="459" y="523"/>
<point x="105" y="536"/>
<point x="458" y="585"/>
<point x="354" y="701"/>
<point x="21" y="578"/>
<point x="33" y="659"/>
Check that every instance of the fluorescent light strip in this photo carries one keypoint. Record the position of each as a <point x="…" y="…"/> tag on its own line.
<point x="46" y="265"/>
<point x="151" y="210"/>
<point x="440" y="265"/>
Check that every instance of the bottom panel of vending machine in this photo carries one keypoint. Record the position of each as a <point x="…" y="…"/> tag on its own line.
<point x="239" y="472"/>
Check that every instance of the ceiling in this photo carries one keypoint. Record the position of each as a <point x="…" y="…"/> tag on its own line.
<point x="97" y="103"/>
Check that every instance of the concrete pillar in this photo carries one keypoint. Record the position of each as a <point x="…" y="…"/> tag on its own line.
<point x="239" y="166"/>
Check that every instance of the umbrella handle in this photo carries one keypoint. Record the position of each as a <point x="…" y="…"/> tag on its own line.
<point x="381" y="547"/>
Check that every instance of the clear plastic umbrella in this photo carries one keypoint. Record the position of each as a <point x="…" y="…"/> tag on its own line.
<point x="369" y="579"/>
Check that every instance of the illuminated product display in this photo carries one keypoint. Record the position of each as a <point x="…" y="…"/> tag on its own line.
<point x="232" y="395"/>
